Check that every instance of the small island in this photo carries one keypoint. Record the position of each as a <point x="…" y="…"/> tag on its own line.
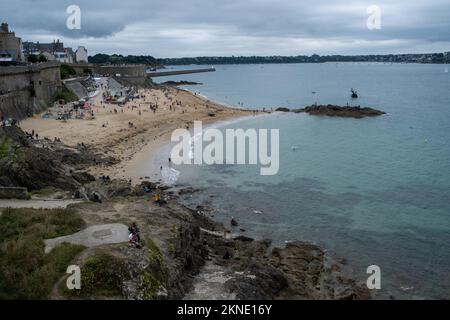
<point x="337" y="111"/>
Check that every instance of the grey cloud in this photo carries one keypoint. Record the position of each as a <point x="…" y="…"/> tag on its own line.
<point x="245" y="26"/>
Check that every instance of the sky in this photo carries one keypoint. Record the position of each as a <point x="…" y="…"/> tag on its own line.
<point x="189" y="28"/>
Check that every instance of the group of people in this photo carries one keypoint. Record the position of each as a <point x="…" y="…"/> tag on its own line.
<point x="32" y="135"/>
<point x="134" y="236"/>
<point x="11" y="122"/>
<point x="105" y="179"/>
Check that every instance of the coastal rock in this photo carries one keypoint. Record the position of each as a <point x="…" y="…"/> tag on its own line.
<point x="258" y="282"/>
<point x="180" y="83"/>
<point x="98" y="191"/>
<point x="305" y="267"/>
<point x="338" y="111"/>
<point x="83" y="177"/>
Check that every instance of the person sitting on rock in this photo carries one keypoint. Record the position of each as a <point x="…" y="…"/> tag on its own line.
<point x="134" y="236"/>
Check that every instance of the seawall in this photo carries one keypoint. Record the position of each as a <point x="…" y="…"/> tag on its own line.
<point x="25" y="90"/>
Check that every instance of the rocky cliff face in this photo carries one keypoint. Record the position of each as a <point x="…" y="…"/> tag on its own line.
<point x="36" y="164"/>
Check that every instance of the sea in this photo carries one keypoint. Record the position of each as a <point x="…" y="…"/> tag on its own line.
<point x="372" y="191"/>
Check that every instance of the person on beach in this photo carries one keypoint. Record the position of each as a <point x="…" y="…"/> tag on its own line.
<point x="158" y="198"/>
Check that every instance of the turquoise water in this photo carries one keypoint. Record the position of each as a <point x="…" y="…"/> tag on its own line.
<point x="373" y="191"/>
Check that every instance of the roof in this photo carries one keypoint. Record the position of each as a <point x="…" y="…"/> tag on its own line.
<point x="7" y="52"/>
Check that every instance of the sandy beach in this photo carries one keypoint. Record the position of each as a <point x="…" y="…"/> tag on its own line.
<point x="133" y="133"/>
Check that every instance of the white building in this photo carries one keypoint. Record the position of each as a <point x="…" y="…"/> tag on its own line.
<point x="62" y="57"/>
<point x="81" y="55"/>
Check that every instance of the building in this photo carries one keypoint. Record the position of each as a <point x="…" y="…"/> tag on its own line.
<point x="81" y="55"/>
<point x="70" y="55"/>
<point x="49" y="56"/>
<point x="62" y="57"/>
<point x="117" y="90"/>
<point x="53" y="51"/>
<point x="10" y="45"/>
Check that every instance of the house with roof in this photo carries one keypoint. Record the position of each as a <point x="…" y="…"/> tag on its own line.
<point x="10" y="45"/>
<point x="81" y="55"/>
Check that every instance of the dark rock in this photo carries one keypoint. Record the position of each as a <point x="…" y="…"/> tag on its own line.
<point x="83" y="177"/>
<point x="244" y="239"/>
<point x="259" y="282"/>
<point x="338" y="111"/>
<point x="180" y="83"/>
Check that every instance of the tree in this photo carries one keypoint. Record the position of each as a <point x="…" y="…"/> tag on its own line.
<point x="67" y="71"/>
<point x="32" y="58"/>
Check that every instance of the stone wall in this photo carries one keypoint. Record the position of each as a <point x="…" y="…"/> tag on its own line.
<point x="135" y="70"/>
<point x="25" y="90"/>
<point x="124" y="71"/>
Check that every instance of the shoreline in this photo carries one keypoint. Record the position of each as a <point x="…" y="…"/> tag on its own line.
<point x="270" y="260"/>
<point x="110" y="133"/>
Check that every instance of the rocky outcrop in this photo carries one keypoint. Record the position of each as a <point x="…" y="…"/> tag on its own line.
<point x="180" y="83"/>
<point x="282" y="109"/>
<point x="298" y="271"/>
<point x="312" y="274"/>
<point x="338" y="111"/>
<point x="37" y="164"/>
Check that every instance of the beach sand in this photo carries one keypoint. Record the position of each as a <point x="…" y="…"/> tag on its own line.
<point x="110" y="133"/>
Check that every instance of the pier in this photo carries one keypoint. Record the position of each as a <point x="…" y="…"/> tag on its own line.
<point x="154" y="74"/>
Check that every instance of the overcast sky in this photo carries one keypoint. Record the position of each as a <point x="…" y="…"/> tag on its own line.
<point x="168" y="28"/>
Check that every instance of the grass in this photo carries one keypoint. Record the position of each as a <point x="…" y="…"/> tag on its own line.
<point x="156" y="274"/>
<point x="26" y="272"/>
<point x="5" y="144"/>
<point x="45" y="192"/>
<point x="66" y="95"/>
<point x="101" y="276"/>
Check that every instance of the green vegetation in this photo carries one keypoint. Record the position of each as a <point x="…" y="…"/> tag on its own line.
<point x="398" y="58"/>
<point x="45" y="192"/>
<point x="5" y="144"/>
<point x="34" y="58"/>
<point x="171" y="247"/>
<point x="67" y="71"/>
<point x="26" y="272"/>
<point x="101" y="276"/>
<point x="156" y="274"/>
<point x="66" y="95"/>
<point x="120" y="59"/>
